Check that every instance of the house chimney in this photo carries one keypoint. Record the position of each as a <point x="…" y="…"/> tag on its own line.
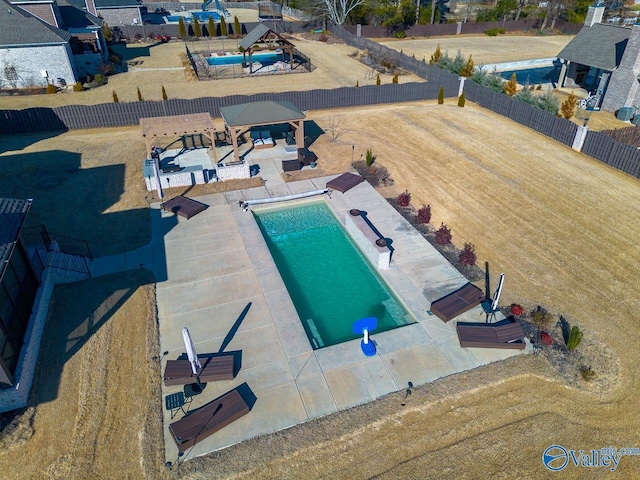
<point x="91" y="7"/>
<point x="594" y="15"/>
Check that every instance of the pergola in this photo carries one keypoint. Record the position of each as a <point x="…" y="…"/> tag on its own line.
<point x="242" y="117"/>
<point x="153" y="128"/>
<point x="263" y="38"/>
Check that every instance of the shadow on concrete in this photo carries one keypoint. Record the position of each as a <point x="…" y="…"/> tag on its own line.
<point x="312" y="131"/>
<point x="234" y="328"/>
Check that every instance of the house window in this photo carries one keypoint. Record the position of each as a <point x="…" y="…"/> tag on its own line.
<point x="10" y="74"/>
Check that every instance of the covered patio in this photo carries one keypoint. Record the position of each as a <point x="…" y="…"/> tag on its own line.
<point x="184" y="166"/>
<point x="154" y="128"/>
<point x="239" y="119"/>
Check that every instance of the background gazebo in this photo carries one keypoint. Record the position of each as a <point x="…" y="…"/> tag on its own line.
<point x="263" y="38"/>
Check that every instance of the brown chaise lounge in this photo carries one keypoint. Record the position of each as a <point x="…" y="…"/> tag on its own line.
<point x="458" y="302"/>
<point x="207" y="420"/>
<point x="506" y="333"/>
<point x="178" y="372"/>
<point x="345" y="182"/>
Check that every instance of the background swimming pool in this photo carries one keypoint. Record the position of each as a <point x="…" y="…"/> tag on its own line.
<point x="268" y="58"/>
<point x="330" y="282"/>
<point x="535" y="76"/>
<point x="201" y="16"/>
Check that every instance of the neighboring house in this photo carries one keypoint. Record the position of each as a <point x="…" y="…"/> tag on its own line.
<point x="119" y="12"/>
<point x="604" y="59"/>
<point x="49" y="41"/>
<point x="32" y="52"/>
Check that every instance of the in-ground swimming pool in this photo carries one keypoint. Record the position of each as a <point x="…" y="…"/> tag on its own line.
<point x="267" y="58"/>
<point x="534" y="76"/>
<point x="201" y="16"/>
<point x="330" y="282"/>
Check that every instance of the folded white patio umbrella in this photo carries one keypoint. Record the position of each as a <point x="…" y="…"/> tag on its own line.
<point x="191" y="351"/>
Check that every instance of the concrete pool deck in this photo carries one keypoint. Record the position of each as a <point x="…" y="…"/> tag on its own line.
<point x="223" y="285"/>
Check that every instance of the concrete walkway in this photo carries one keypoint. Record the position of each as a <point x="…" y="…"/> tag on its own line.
<point x="217" y="277"/>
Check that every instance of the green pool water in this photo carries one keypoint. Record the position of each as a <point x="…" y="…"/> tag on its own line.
<point x="329" y="280"/>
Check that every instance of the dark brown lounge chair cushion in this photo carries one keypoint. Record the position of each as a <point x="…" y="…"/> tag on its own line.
<point x="207" y="420"/>
<point x="458" y="302"/>
<point x="507" y="333"/>
<point x="178" y="372"/>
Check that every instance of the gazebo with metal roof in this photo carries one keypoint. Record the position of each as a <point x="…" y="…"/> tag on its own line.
<point x="240" y="118"/>
<point x="153" y="128"/>
<point x="263" y="38"/>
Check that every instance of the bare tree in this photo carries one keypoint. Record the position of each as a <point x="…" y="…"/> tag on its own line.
<point x="552" y="13"/>
<point x="338" y="10"/>
<point x="335" y="128"/>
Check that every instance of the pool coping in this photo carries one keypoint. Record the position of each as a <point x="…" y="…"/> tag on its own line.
<point x="292" y="382"/>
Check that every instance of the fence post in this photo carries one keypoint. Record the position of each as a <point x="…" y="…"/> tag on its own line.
<point x="461" y="87"/>
<point x="578" y="140"/>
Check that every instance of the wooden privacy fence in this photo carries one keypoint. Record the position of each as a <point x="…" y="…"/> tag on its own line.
<point x="440" y="29"/>
<point x="121" y="114"/>
<point x="618" y="155"/>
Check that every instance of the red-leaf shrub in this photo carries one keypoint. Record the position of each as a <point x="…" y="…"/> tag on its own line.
<point x="468" y="255"/>
<point x="424" y="214"/>
<point x="404" y="199"/>
<point x="546" y="339"/>
<point x="443" y="235"/>
<point x="516" y="309"/>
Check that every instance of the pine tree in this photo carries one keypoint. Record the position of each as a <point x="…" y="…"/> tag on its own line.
<point x="395" y="78"/>
<point x="197" y="30"/>
<point x="223" y="27"/>
<point x="437" y="55"/>
<point x="357" y="83"/>
<point x="236" y="26"/>
<point x="461" y="100"/>
<point x="115" y="97"/>
<point x="106" y="32"/>
<point x="164" y="93"/>
<point x="211" y="27"/>
<point x="568" y="106"/>
<point x="182" y="29"/>
<point x="378" y="81"/>
<point x="511" y="86"/>
<point x="441" y="95"/>
<point x="467" y="69"/>
<point x="140" y="99"/>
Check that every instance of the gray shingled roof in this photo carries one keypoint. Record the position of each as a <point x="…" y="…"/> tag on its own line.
<point x="116" y="3"/>
<point x="260" y="113"/>
<point x="598" y="46"/>
<point x="253" y="36"/>
<point x="12" y="214"/>
<point x="19" y="27"/>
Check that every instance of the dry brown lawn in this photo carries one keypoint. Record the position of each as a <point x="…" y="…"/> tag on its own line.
<point x="161" y="65"/>
<point x="484" y="49"/>
<point x="561" y="226"/>
<point x="95" y="406"/>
